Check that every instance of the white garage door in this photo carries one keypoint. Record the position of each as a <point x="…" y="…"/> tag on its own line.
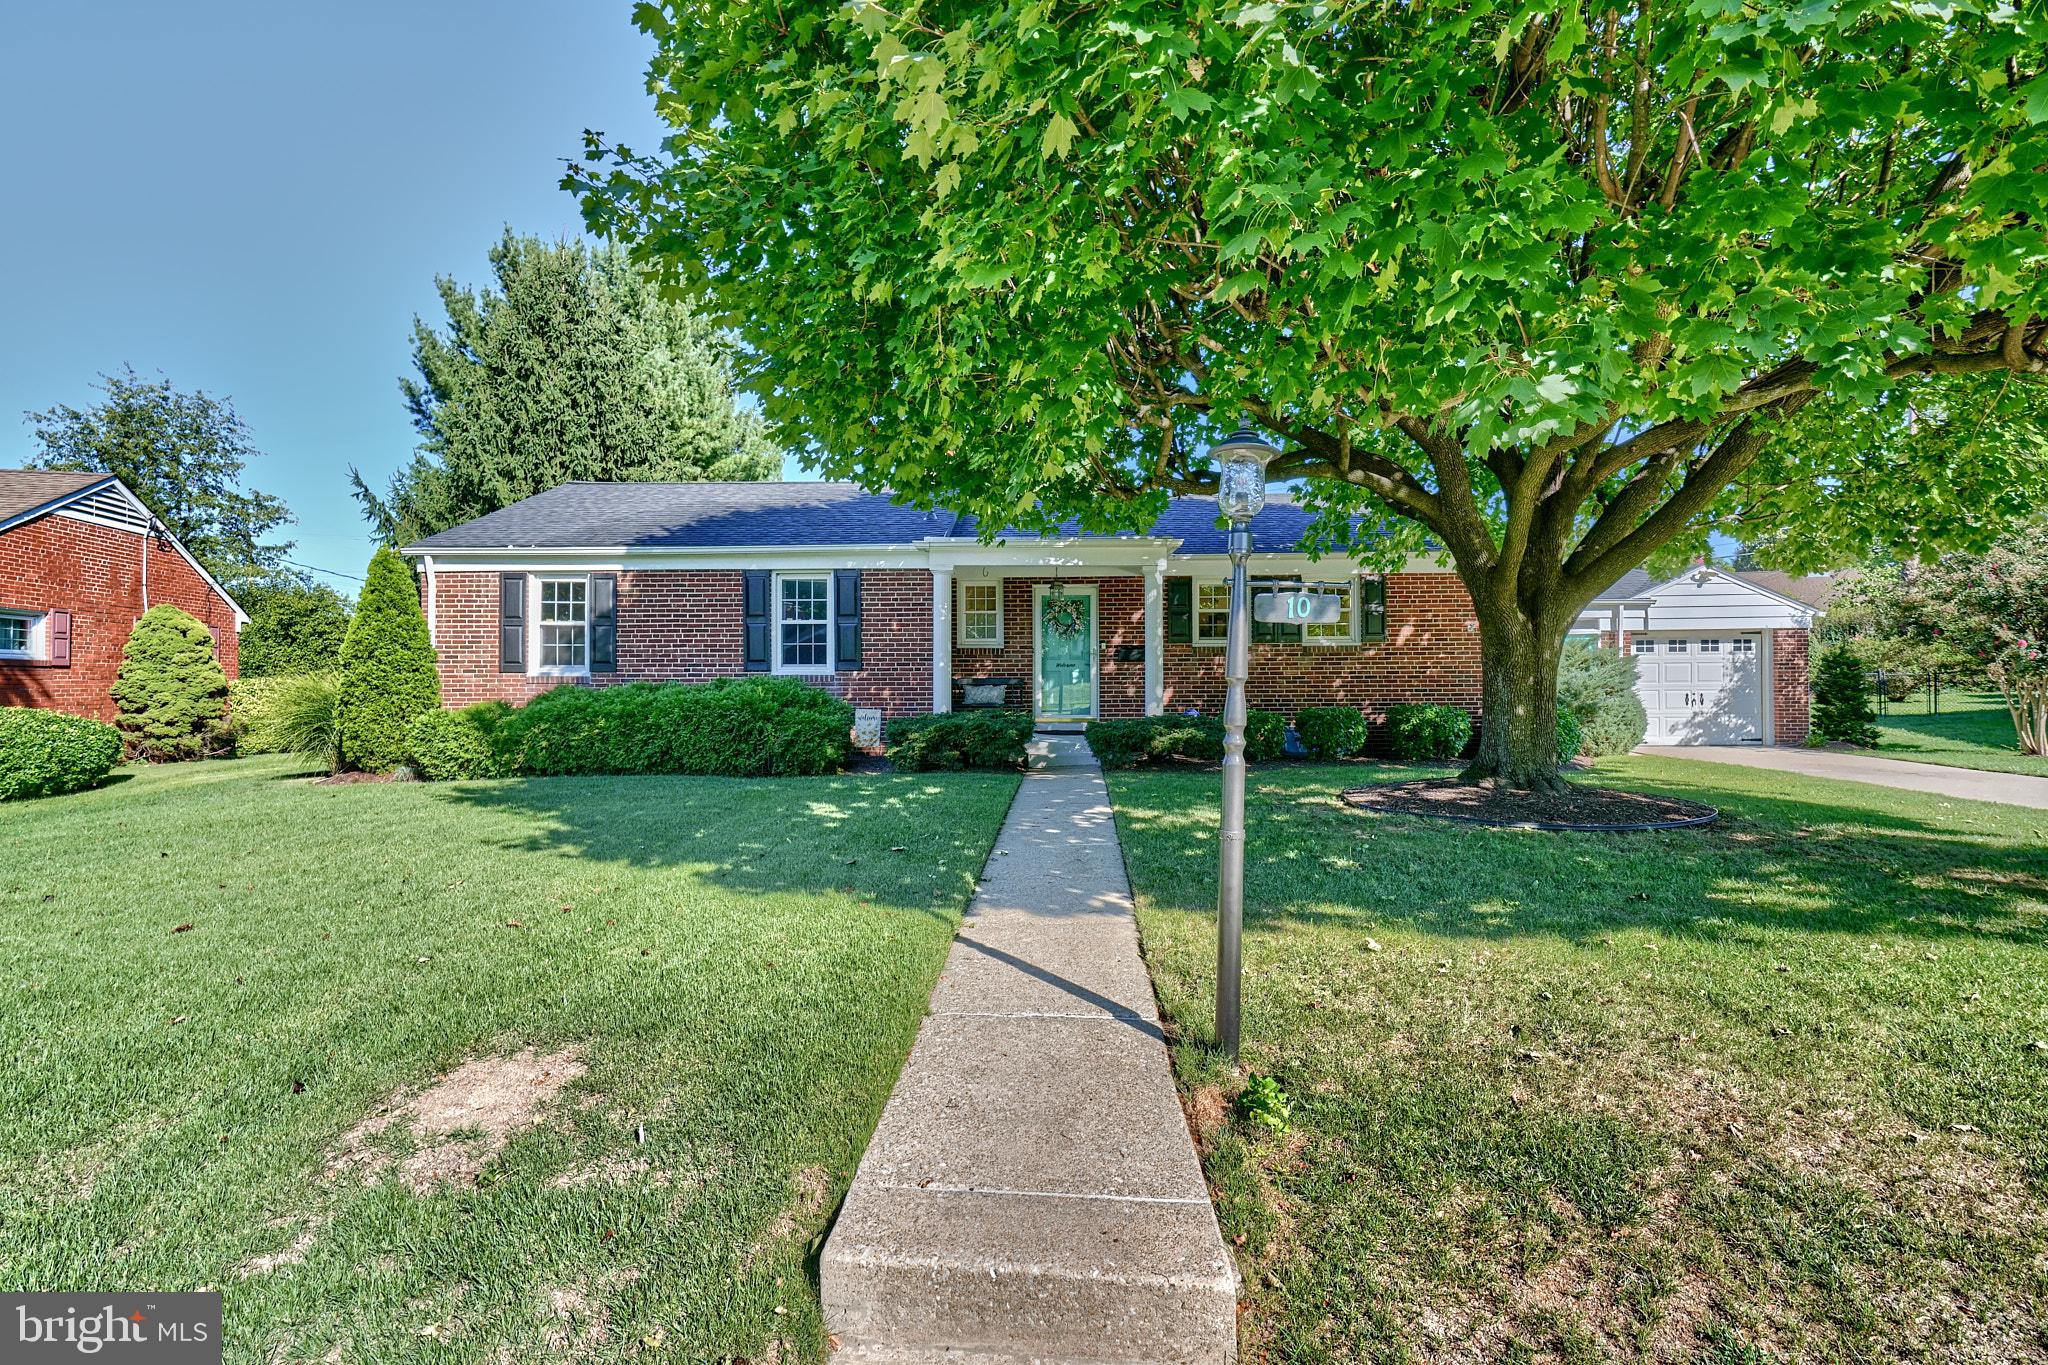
<point x="1700" y="688"/>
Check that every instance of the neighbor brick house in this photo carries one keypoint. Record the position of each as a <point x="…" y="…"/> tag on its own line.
<point x="904" y="611"/>
<point x="80" y="560"/>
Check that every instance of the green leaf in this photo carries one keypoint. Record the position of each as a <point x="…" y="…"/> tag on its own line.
<point x="1059" y="135"/>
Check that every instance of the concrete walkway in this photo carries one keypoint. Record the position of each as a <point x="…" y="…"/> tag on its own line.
<point x="2012" y="789"/>
<point x="1032" y="1193"/>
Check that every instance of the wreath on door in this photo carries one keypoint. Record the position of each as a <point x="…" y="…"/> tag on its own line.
<point x="1062" y="615"/>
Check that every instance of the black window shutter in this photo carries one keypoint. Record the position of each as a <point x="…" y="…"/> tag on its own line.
<point x="511" y="623"/>
<point x="846" y="619"/>
<point x="604" y="623"/>
<point x="1180" y="611"/>
<point x="1372" y="609"/>
<point x="759" y="636"/>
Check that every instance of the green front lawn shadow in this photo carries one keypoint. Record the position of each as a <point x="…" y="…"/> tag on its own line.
<point x="1758" y="1089"/>
<point x="696" y="993"/>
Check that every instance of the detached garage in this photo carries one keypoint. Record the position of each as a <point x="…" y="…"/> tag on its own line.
<point x="1720" y="659"/>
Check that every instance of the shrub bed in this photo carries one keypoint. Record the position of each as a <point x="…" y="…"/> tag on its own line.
<point x="1421" y="730"/>
<point x="1329" y="732"/>
<point x="448" y="746"/>
<point x="733" y="727"/>
<point x="1127" y="743"/>
<point x="47" y="753"/>
<point x="962" y="739"/>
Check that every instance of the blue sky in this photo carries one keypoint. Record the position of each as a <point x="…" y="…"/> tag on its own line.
<point x="254" y="199"/>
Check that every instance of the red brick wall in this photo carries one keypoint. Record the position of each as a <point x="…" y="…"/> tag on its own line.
<point x="686" y="626"/>
<point x="56" y="563"/>
<point x="1790" y="697"/>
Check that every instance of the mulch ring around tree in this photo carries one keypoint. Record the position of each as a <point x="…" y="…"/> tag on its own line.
<point x="1594" y="809"/>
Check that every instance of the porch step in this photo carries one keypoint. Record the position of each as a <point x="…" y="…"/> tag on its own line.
<point x="1058" y="750"/>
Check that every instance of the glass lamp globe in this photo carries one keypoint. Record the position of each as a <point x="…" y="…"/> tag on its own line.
<point x="1241" y="489"/>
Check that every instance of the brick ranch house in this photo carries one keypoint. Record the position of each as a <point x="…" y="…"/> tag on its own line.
<point x="906" y="611"/>
<point x="80" y="560"/>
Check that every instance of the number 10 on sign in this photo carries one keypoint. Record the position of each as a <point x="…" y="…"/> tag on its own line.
<point x="1298" y="608"/>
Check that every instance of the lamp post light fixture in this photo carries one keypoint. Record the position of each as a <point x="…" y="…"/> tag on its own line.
<point x="1240" y="493"/>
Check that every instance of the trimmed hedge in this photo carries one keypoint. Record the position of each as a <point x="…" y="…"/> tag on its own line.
<point x="733" y="727"/>
<point x="961" y="739"/>
<point x="1570" y="735"/>
<point x="1329" y="732"/>
<point x="1127" y="743"/>
<point x="47" y="753"/>
<point x="172" y="694"/>
<point x="387" y="668"/>
<point x="448" y="746"/>
<point x="1417" y="730"/>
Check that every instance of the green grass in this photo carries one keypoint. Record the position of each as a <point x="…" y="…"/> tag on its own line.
<point x="1971" y="730"/>
<point x="1768" y="1090"/>
<point x="742" y="966"/>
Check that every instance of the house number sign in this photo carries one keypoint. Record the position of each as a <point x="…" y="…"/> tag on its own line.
<point x="1298" y="608"/>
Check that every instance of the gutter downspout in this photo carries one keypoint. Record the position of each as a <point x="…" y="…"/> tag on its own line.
<point x="433" y="616"/>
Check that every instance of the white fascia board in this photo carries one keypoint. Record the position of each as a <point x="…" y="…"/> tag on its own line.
<point x="618" y="558"/>
<point x="1069" y="552"/>
<point x="1294" y="562"/>
<point x="23" y="518"/>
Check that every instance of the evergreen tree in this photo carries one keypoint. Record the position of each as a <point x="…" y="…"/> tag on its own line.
<point x="573" y="367"/>
<point x="295" y="626"/>
<point x="183" y="455"/>
<point x="387" y="668"/>
<point x="1841" y="705"/>
<point x="171" y="692"/>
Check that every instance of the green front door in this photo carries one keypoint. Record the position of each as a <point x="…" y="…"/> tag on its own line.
<point x="1066" y="654"/>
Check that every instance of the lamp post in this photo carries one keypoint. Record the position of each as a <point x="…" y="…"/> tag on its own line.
<point x="1240" y="493"/>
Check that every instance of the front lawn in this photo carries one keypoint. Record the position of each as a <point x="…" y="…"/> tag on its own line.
<point x="1775" y="1089"/>
<point x="1971" y="730"/>
<point x="495" y="1071"/>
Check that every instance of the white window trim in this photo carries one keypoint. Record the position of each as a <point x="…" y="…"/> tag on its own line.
<point x="960" y="640"/>
<point x="534" y="667"/>
<point x="1202" y="641"/>
<point x="38" y="636"/>
<point x="775" y="623"/>
<point x="1344" y="641"/>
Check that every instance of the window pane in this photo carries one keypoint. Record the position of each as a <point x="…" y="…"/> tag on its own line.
<point x="1710" y="646"/>
<point x="1212" y="612"/>
<point x="806" y="607"/>
<point x="1642" y="646"/>
<point x="1340" y="630"/>
<point x="564" y="636"/>
<point x="1677" y="646"/>
<point x="980" y="613"/>
<point x="14" y="634"/>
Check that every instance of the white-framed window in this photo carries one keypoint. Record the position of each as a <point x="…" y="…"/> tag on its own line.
<point x="561" y="625"/>
<point x="803" y="623"/>
<point x="1342" y="631"/>
<point x="1710" y="646"/>
<point x="1678" y="646"/>
<point x="22" y="635"/>
<point x="1638" y="645"/>
<point x="1212" y="613"/>
<point x="1743" y="647"/>
<point x="980" y="623"/>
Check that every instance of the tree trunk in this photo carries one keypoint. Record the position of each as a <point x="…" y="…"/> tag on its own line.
<point x="1518" y="660"/>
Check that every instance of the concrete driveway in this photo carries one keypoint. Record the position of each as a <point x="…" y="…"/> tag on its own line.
<point x="2011" y="789"/>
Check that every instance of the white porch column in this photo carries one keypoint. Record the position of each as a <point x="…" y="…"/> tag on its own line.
<point x="1155" y="641"/>
<point x="942" y="640"/>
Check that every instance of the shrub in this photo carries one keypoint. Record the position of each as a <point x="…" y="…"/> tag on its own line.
<point x="1126" y="743"/>
<point x="1841" y="708"/>
<point x="448" y="746"/>
<point x="47" y="753"/>
<point x="962" y="739"/>
<point x="1427" y="730"/>
<point x="387" y="668"/>
<point x="1599" y="687"/>
<point x="1571" y="736"/>
<point x="1332" y="731"/>
<point x="299" y="714"/>
<point x="171" y="693"/>
<point x="734" y="727"/>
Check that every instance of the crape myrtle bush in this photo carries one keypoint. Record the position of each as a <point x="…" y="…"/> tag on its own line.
<point x="1599" y="687"/>
<point x="733" y="727"/>
<point x="447" y="746"/>
<point x="1332" y="731"/>
<point x="964" y="739"/>
<point x="47" y="753"/>
<point x="1427" y="730"/>
<point x="1127" y="743"/>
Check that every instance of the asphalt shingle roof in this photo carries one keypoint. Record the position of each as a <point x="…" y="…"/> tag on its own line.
<point x="749" y="515"/>
<point x="1628" y="587"/>
<point x="24" y="490"/>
